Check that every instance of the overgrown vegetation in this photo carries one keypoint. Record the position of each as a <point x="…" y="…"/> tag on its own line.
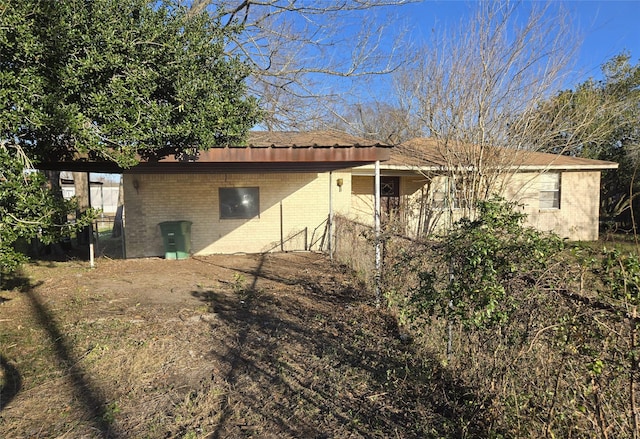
<point x="29" y="210"/>
<point x="544" y="332"/>
<point x="488" y="259"/>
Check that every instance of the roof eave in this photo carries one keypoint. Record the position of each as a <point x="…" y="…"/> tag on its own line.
<point x="368" y="169"/>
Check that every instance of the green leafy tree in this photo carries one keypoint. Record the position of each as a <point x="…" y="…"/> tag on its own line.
<point x="28" y="209"/>
<point x="110" y="80"/>
<point x="118" y="80"/>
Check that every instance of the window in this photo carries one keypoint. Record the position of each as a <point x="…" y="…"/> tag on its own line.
<point x="549" y="191"/>
<point x="448" y="194"/>
<point x="389" y="198"/>
<point x="239" y="202"/>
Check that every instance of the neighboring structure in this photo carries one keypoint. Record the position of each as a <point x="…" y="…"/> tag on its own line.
<point x="104" y="193"/>
<point x="278" y="192"/>
<point x="557" y="192"/>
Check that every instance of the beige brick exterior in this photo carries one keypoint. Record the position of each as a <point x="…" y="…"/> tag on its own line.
<point x="296" y="205"/>
<point x="577" y="218"/>
<point x="298" y="201"/>
<point x="579" y="214"/>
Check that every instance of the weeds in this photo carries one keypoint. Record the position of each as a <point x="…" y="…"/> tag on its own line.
<point x="544" y="336"/>
<point x="239" y="283"/>
<point x="110" y="412"/>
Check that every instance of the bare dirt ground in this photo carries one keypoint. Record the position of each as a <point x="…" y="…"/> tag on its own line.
<point x="268" y="346"/>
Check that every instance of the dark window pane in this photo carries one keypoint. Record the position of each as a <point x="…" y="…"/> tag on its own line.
<point x="239" y="202"/>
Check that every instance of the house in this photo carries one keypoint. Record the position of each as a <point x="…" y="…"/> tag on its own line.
<point x="424" y="186"/>
<point x="279" y="191"/>
<point x="276" y="193"/>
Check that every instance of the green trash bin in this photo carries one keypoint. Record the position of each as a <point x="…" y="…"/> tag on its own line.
<point x="176" y="236"/>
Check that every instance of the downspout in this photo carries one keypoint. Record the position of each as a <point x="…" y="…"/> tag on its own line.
<point x="378" y="244"/>
<point x="330" y="224"/>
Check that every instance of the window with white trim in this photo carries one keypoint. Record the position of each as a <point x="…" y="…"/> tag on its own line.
<point x="448" y="194"/>
<point x="549" y="190"/>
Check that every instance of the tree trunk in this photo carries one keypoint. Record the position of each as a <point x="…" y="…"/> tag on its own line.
<point x="57" y="249"/>
<point x="118" y="221"/>
<point x="81" y="185"/>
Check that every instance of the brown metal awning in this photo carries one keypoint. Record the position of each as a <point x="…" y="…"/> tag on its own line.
<point x="316" y="151"/>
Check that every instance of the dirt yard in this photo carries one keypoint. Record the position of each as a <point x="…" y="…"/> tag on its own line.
<point x="268" y="346"/>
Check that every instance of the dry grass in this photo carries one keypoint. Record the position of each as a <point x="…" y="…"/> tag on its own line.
<point x="267" y="346"/>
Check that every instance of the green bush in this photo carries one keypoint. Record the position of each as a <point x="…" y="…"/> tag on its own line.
<point x="480" y="264"/>
<point x="542" y="333"/>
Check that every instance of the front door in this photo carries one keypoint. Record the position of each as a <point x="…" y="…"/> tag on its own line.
<point x="389" y="199"/>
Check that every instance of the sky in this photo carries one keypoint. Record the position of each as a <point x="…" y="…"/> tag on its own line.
<point x="603" y="28"/>
<point x="608" y="27"/>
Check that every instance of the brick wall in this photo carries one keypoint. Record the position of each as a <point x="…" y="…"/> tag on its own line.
<point x="579" y="214"/>
<point x="577" y="218"/>
<point x="292" y="205"/>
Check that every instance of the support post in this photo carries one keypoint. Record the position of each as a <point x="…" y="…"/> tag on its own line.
<point x="330" y="225"/>
<point x="281" y="229"/>
<point x="378" y="243"/>
<point x="91" y="248"/>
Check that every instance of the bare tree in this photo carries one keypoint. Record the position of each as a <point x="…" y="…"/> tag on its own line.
<point x="485" y="84"/>
<point x="298" y="50"/>
<point x="379" y="121"/>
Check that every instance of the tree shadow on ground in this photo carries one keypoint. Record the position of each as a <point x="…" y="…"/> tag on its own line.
<point x="295" y="370"/>
<point x="12" y="382"/>
<point x="90" y="397"/>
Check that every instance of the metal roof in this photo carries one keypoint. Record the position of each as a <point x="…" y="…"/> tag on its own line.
<point x="264" y="151"/>
<point x="308" y="139"/>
